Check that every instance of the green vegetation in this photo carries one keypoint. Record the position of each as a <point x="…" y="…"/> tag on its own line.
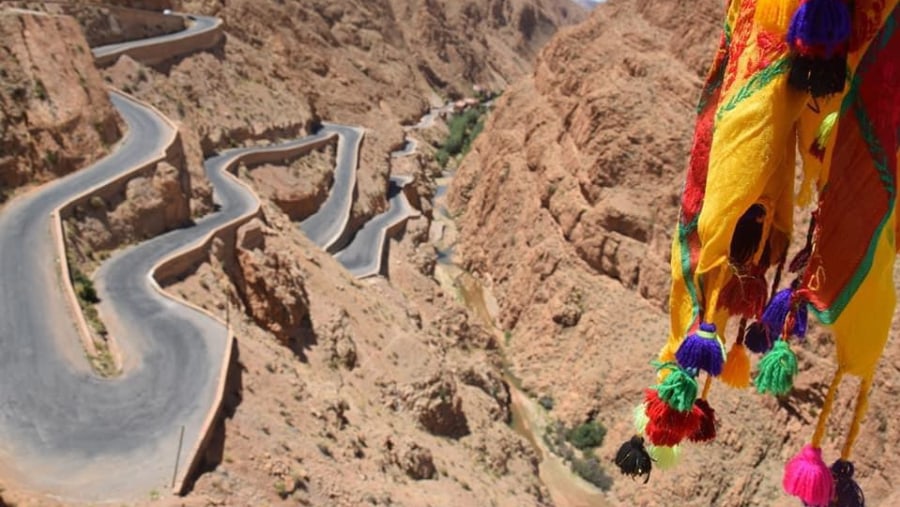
<point x="87" y="299"/>
<point x="281" y="489"/>
<point x="40" y="90"/>
<point x="587" y="436"/>
<point x="84" y="287"/>
<point x="97" y="202"/>
<point x="51" y="158"/>
<point x="464" y="128"/>
<point x="546" y="401"/>
<point x="590" y="470"/>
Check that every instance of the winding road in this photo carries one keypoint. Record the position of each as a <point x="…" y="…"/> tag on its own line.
<point x="327" y="227"/>
<point x="64" y="430"/>
<point x="365" y="255"/>
<point x="202" y="32"/>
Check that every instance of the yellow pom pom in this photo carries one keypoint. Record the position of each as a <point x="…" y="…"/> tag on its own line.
<point x="664" y="457"/>
<point x="774" y="15"/>
<point x="640" y="418"/>
<point x="736" y="372"/>
<point x="825" y="130"/>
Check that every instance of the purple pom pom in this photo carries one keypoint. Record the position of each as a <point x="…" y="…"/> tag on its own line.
<point x="847" y="492"/>
<point x="819" y="26"/>
<point x="756" y="339"/>
<point x="702" y="351"/>
<point x="776" y="312"/>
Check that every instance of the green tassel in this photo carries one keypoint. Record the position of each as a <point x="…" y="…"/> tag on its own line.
<point x="640" y="418"/>
<point x="777" y="370"/>
<point x="825" y="129"/>
<point x="665" y="458"/>
<point x="679" y="389"/>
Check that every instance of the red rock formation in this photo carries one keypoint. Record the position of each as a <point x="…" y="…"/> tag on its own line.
<point x="55" y="116"/>
<point x="566" y="205"/>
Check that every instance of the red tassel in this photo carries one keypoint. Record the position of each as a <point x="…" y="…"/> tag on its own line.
<point x="667" y="426"/>
<point x="706" y="429"/>
<point x="745" y="294"/>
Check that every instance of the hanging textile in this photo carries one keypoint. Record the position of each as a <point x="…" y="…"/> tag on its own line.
<point x="818" y="78"/>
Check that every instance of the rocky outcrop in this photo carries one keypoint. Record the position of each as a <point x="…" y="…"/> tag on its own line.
<point x="416" y="461"/>
<point x="284" y="63"/>
<point x="270" y="284"/>
<point x="55" y="116"/>
<point x="337" y="339"/>
<point x="300" y="187"/>
<point x="434" y="403"/>
<point x="487" y="379"/>
<point x="454" y="326"/>
<point x="567" y="202"/>
<point x="153" y="201"/>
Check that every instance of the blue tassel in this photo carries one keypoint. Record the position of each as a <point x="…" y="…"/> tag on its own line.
<point x="819" y="27"/>
<point x="776" y="312"/>
<point x="702" y="351"/>
<point x="818" y="36"/>
<point x="756" y="339"/>
<point x="801" y="322"/>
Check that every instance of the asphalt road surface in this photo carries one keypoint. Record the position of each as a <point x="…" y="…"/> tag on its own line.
<point x="63" y="429"/>
<point x="327" y="227"/>
<point x="196" y="25"/>
<point x="366" y="253"/>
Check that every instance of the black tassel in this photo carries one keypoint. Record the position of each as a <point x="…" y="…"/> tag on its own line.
<point x="847" y="492"/>
<point x="757" y="339"/>
<point x="633" y="459"/>
<point x="820" y="77"/>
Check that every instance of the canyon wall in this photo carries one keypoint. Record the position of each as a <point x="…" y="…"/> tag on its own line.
<point x="566" y="208"/>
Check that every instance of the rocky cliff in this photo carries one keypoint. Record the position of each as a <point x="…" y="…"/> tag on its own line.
<point x="341" y="392"/>
<point x="566" y="205"/>
<point x="284" y="65"/>
<point x="55" y="116"/>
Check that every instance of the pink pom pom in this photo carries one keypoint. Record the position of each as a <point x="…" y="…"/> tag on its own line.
<point x="808" y="478"/>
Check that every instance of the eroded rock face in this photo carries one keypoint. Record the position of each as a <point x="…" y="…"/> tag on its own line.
<point x="149" y="204"/>
<point x="55" y="116"/>
<point x="299" y="187"/>
<point x="574" y="186"/>
<point x="416" y="461"/>
<point x="433" y="402"/>
<point x="487" y="379"/>
<point x="337" y="338"/>
<point x="456" y="326"/>
<point x="270" y="284"/>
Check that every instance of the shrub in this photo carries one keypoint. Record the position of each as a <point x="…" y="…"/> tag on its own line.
<point x="51" y="158"/>
<point x="588" y="435"/>
<point x="97" y="202"/>
<point x="84" y="287"/>
<point x="591" y="471"/>
<point x="442" y="157"/>
<point x="40" y="90"/>
<point x="464" y="127"/>
<point x="546" y="401"/>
